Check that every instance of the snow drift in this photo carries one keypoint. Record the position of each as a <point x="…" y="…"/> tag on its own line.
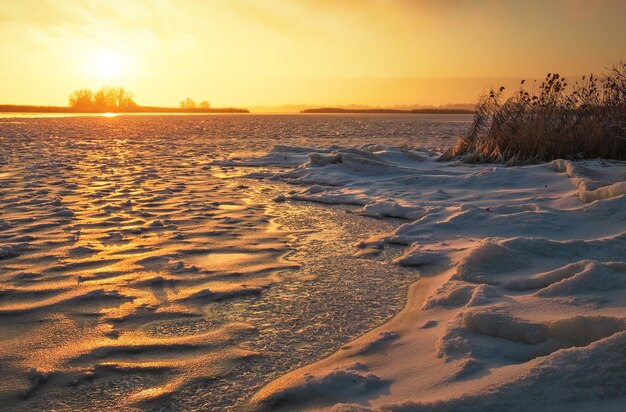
<point x="525" y="268"/>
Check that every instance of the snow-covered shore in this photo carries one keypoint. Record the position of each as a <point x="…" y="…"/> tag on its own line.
<point x="521" y="299"/>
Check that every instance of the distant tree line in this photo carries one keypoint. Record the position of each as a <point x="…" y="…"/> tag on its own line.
<point x="189" y="103"/>
<point x="107" y="99"/>
<point x="115" y="99"/>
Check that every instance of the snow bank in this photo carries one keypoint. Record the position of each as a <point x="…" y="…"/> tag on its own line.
<point x="593" y="374"/>
<point x="592" y="276"/>
<point x="589" y="188"/>
<point x="605" y="192"/>
<point x="382" y="208"/>
<point x="335" y="386"/>
<point x="526" y="273"/>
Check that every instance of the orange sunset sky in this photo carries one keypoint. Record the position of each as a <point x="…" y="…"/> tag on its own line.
<point x="274" y="52"/>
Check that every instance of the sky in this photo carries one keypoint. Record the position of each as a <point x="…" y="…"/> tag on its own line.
<point x="317" y="52"/>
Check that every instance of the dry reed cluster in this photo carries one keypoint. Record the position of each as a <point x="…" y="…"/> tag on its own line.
<point x="586" y="120"/>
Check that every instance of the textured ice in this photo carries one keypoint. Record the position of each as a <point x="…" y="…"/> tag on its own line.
<point x="141" y="269"/>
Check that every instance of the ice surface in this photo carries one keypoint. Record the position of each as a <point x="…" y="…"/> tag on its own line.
<point x="138" y="270"/>
<point x="141" y="269"/>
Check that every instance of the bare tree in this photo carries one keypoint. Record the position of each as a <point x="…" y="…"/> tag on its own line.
<point x="81" y="99"/>
<point x="106" y="99"/>
<point x="188" y="103"/>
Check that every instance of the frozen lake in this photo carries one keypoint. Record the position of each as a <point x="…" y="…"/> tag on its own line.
<point x="135" y="272"/>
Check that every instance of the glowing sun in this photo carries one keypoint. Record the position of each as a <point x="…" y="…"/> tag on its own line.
<point x="107" y="64"/>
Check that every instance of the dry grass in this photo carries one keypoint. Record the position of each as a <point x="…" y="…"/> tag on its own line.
<point x="587" y="120"/>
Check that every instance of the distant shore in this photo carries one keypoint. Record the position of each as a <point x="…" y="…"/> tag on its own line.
<point x="413" y="111"/>
<point x="13" y="108"/>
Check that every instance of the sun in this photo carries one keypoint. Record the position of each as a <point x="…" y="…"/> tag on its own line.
<point x="107" y="64"/>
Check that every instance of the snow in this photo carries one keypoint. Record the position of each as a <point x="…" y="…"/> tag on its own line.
<point x="338" y="384"/>
<point x="129" y="254"/>
<point x="521" y="302"/>
<point x="138" y="269"/>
